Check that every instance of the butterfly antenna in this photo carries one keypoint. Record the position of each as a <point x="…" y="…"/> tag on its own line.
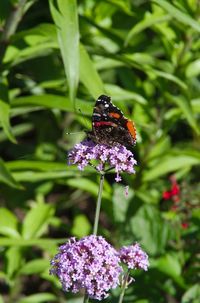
<point x="69" y="133"/>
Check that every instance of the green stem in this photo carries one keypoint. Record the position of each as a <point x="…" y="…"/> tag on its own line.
<point x="96" y="220"/>
<point x="11" y="26"/>
<point x="98" y="206"/>
<point x="86" y="299"/>
<point x="124" y="287"/>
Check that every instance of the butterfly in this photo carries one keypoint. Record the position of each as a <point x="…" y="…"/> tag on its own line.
<point x="109" y="126"/>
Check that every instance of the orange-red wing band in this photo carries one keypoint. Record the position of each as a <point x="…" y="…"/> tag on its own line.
<point x="131" y="128"/>
<point x="114" y="115"/>
<point x="98" y="124"/>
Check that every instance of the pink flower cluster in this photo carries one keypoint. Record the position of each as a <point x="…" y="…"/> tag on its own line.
<point x="91" y="263"/>
<point x="117" y="157"/>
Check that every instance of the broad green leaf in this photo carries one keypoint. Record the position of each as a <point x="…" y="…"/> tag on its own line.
<point x="38" y="298"/>
<point x="192" y="294"/>
<point x="186" y="108"/>
<point x="36" y="165"/>
<point x="18" y="130"/>
<point x="33" y="176"/>
<point x="123" y="5"/>
<point x="14" y="260"/>
<point x="171" y="162"/>
<point x="36" y="221"/>
<point x="37" y="41"/>
<point x="5" y="111"/>
<point x="53" y="101"/>
<point x="88" y="74"/>
<point x="6" y="177"/>
<point x="195" y="103"/>
<point x="81" y="226"/>
<point x="178" y="14"/>
<point x="87" y="185"/>
<point x="170" y="77"/>
<point x="155" y="237"/>
<point x="193" y="69"/>
<point x="149" y="21"/>
<point x="35" y="267"/>
<point x="121" y="202"/>
<point x="44" y="243"/>
<point x="9" y="222"/>
<point x="160" y="148"/>
<point x="65" y="15"/>
<point x="120" y="94"/>
<point x="170" y="265"/>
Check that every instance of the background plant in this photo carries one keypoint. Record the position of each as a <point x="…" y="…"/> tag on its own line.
<point x="56" y="58"/>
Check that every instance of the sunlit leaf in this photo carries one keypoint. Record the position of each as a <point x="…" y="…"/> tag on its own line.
<point x="6" y="177"/>
<point x="9" y="223"/>
<point x="88" y="74"/>
<point x="36" y="221"/>
<point x="178" y="14"/>
<point x="5" y="111"/>
<point x="65" y="16"/>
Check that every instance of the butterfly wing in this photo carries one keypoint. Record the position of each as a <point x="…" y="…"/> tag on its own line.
<point x="109" y="126"/>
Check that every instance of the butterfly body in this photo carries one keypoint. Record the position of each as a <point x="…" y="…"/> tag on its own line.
<point x="109" y="126"/>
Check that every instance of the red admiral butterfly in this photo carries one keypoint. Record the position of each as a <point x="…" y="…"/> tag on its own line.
<point x="109" y="126"/>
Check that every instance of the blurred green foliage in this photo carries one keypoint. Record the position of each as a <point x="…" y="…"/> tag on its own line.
<point x="56" y="57"/>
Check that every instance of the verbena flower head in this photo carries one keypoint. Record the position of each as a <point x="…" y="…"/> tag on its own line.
<point x="90" y="263"/>
<point x="118" y="157"/>
<point x="134" y="257"/>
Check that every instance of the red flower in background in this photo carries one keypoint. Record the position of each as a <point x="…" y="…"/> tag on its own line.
<point x="174" y="192"/>
<point x="184" y="225"/>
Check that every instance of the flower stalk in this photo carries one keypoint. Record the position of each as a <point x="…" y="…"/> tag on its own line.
<point x="124" y="285"/>
<point x="98" y="205"/>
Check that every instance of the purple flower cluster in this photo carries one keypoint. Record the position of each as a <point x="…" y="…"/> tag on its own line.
<point x="92" y="264"/>
<point x="117" y="157"/>
<point x="89" y="263"/>
<point x="134" y="257"/>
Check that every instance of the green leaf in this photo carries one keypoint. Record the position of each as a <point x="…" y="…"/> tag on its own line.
<point x="171" y="162"/>
<point x="178" y="14"/>
<point x="149" y="21"/>
<point x="89" y="75"/>
<point x="192" y="295"/>
<point x="38" y="298"/>
<point x="18" y="130"/>
<point x="193" y="69"/>
<point x="31" y="176"/>
<point x="36" y="221"/>
<point x="65" y="15"/>
<point x="5" y="111"/>
<point x="170" y="77"/>
<point x="36" y="165"/>
<point x="52" y="101"/>
<point x="155" y="237"/>
<point x="170" y="265"/>
<point x="81" y="226"/>
<point x="121" y="203"/>
<point x="118" y="93"/>
<point x="186" y="108"/>
<point x="9" y="222"/>
<point x="43" y="243"/>
<point x="35" y="267"/>
<point x="6" y="177"/>
<point x="87" y="185"/>
<point x="123" y="5"/>
<point x="14" y="260"/>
